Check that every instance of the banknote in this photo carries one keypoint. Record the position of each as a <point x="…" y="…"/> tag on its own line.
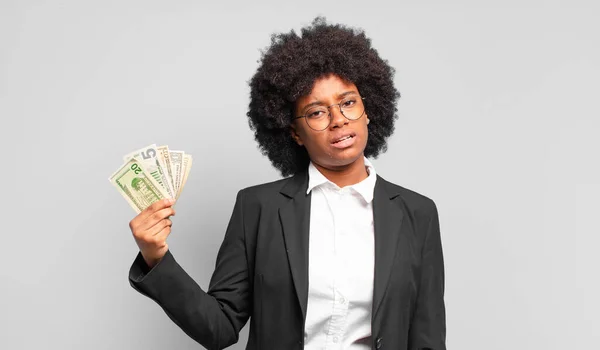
<point x="137" y="185"/>
<point x="165" y="158"/>
<point x="151" y="162"/>
<point x="176" y="168"/>
<point x="187" y="166"/>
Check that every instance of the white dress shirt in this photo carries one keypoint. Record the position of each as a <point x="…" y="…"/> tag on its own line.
<point x="341" y="263"/>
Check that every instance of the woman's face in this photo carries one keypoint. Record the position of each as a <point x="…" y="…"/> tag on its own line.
<point x="343" y="141"/>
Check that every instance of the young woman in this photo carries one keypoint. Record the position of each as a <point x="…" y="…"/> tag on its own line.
<point x="332" y="256"/>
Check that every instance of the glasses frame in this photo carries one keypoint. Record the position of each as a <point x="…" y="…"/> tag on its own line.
<point x="329" y="114"/>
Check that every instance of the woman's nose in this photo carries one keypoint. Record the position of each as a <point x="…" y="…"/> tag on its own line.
<point x="337" y="117"/>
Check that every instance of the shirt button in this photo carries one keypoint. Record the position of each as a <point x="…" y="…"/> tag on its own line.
<point x="335" y="339"/>
<point x="342" y="300"/>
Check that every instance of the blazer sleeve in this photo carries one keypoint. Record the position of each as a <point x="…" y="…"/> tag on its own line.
<point x="213" y="318"/>
<point x="428" y="325"/>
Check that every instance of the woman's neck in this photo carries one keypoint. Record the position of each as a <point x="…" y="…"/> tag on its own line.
<point x="347" y="175"/>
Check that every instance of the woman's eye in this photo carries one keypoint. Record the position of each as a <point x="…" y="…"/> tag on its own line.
<point x="315" y="114"/>
<point x="349" y="103"/>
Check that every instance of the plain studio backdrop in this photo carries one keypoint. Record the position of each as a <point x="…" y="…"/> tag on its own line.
<point x="498" y="124"/>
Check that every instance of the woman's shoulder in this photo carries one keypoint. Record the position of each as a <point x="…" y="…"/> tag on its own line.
<point x="269" y="191"/>
<point x="415" y="201"/>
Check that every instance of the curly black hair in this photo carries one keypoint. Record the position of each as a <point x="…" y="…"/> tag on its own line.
<point x="288" y="69"/>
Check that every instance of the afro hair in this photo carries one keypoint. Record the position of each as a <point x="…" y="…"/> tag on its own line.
<point x="288" y="69"/>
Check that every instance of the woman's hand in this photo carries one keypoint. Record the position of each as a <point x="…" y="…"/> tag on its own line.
<point x="150" y="228"/>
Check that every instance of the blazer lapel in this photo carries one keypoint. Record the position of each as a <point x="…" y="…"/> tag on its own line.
<point x="387" y="220"/>
<point x="295" y="222"/>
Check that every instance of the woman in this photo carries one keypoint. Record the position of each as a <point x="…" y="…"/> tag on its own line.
<point x="332" y="256"/>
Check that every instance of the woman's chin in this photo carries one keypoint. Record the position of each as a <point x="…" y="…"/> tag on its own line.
<point x="344" y="158"/>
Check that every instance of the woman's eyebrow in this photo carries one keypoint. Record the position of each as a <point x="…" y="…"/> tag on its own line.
<point x="316" y="103"/>
<point x="344" y="94"/>
<point x="319" y="103"/>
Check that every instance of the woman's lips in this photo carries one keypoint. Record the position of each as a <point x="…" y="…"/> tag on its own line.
<point x="347" y="142"/>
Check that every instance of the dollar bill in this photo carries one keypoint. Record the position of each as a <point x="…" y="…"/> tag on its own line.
<point x="165" y="158"/>
<point x="176" y="168"/>
<point x="151" y="162"/>
<point x="137" y="185"/>
<point x="187" y="166"/>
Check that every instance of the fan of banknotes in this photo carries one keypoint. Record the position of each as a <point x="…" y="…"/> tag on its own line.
<point x="151" y="174"/>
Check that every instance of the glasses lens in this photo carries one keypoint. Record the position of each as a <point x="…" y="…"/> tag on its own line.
<point x="352" y="107"/>
<point x="318" y="118"/>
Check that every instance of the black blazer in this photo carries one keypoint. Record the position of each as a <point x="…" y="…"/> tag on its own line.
<point x="261" y="273"/>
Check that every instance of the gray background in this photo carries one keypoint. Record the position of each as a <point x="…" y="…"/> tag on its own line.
<point x="499" y="124"/>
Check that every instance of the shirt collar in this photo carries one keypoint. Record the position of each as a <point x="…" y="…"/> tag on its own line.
<point x="365" y="188"/>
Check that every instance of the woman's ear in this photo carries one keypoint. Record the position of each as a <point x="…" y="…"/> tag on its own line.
<point x="295" y="135"/>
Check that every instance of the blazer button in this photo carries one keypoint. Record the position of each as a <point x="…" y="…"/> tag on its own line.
<point x="378" y="343"/>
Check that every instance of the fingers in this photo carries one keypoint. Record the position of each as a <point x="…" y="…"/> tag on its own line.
<point x="155" y="218"/>
<point x="156" y="206"/>
<point x="153" y="214"/>
<point x="162" y="235"/>
<point x="153" y="208"/>
<point x="159" y="238"/>
<point x="156" y="229"/>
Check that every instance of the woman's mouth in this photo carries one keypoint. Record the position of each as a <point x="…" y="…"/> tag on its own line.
<point x="344" y="142"/>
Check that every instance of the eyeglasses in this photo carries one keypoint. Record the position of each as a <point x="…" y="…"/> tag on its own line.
<point x="319" y="118"/>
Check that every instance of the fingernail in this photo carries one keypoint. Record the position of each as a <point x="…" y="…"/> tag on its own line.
<point x="172" y="200"/>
